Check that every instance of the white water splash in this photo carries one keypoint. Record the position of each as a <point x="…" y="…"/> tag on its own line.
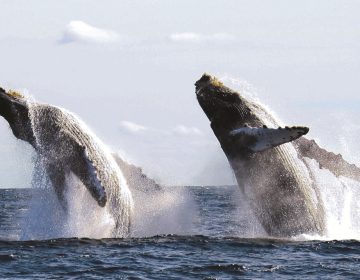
<point x="158" y="209"/>
<point x="83" y="218"/>
<point x="171" y="210"/>
<point x="342" y="208"/>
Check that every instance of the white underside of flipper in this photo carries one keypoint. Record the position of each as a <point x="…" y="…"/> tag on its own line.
<point x="95" y="183"/>
<point x="258" y="139"/>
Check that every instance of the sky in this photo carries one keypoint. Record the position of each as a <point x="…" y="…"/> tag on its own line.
<point x="127" y="68"/>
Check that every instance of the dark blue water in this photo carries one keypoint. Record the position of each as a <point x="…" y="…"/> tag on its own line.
<point x="214" y="249"/>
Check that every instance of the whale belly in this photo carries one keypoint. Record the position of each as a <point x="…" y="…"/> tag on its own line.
<point x="280" y="190"/>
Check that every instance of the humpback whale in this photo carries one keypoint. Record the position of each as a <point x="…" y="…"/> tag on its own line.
<point x="269" y="161"/>
<point x="64" y="145"/>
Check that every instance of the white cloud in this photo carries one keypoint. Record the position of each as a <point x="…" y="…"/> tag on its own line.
<point x="79" y="31"/>
<point x="186" y="37"/>
<point x="132" y="127"/>
<point x="185" y="130"/>
<point x="177" y="130"/>
<point x="190" y="37"/>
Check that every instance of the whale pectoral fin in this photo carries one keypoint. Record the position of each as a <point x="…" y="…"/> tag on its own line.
<point x="257" y="139"/>
<point x="85" y="170"/>
<point x="57" y="178"/>
<point x="135" y="177"/>
<point x="335" y="163"/>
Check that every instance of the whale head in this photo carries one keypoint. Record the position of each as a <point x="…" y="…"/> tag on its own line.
<point x="226" y="109"/>
<point x="15" y="109"/>
<point x="239" y="123"/>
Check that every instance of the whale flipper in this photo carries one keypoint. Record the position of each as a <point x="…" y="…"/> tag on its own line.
<point x="335" y="163"/>
<point x="86" y="171"/>
<point x="57" y="177"/>
<point x="136" y="178"/>
<point x="258" y="139"/>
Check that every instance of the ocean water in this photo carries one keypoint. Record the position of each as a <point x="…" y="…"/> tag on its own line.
<point x="192" y="233"/>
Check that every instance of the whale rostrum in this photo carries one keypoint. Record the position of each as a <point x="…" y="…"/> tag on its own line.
<point x="65" y="145"/>
<point x="269" y="161"/>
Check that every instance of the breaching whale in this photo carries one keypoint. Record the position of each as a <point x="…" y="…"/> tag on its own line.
<point x="64" y="145"/>
<point x="268" y="161"/>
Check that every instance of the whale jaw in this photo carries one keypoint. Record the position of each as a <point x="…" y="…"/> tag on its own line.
<point x="14" y="108"/>
<point x="225" y="109"/>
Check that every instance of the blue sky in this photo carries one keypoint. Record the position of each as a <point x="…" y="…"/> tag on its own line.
<point x="127" y="68"/>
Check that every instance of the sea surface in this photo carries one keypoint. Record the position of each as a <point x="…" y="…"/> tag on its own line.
<point x="217" y="239"/>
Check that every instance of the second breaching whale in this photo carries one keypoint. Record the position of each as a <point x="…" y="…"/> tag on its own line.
<point x="269" y="161"/>
<point x="64" y="146"/>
